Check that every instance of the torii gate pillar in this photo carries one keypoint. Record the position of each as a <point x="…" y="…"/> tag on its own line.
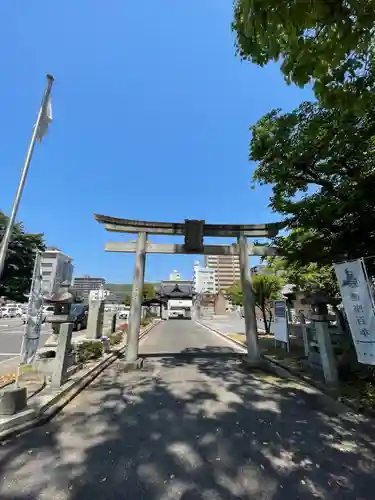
<point x="132" y="350"/>
<point x="251" y="330"/>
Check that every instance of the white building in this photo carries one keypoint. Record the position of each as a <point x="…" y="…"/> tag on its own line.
<point x="205" y="280"/>
<point x="175" y="276"/>
<point x="83" y="285"/>
<point x="56" y="268"/>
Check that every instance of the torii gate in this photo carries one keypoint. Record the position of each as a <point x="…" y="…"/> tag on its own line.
<point x="193" y="232"/>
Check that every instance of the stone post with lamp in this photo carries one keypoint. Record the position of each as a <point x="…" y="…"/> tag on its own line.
<point x="318" y="301"/>
<point x="62" y="325"/>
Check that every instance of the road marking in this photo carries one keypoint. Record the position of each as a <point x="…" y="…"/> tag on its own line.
<point x="9" y="359"/>
<point x="9" y="353"/>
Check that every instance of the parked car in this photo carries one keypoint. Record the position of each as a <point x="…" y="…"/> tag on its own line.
<point x="80" y="314"/>
<point x="47" y="311"/>
<point x="124" y="314"/>
<point x="9" y="312"/>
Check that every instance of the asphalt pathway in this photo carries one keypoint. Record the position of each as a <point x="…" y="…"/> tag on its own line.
<point x="192" y="425"/>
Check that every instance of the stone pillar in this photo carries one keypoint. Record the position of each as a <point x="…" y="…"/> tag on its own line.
<point x="61" y="363"/>
<point x="95" y="319"/>
<point x="304" y="334"/>
<point x="131" y="354"/>
<point x="327" y="356"/>
<point x="113" y="322"/>
<point x="248" y="304"/>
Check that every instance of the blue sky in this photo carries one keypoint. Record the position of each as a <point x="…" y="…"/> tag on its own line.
<point x="151" y="114"/>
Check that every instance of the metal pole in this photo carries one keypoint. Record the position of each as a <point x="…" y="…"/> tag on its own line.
<point x="5" y="241"/>
<point x="251" y="329"/>
<point x="29" y="309"/>
<point x="136" y="306"/>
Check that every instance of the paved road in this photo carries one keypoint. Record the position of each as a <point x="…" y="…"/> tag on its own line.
<point x="191" y="426"/>
<point x="232" y="323"/>
<point x="11" y="334"/>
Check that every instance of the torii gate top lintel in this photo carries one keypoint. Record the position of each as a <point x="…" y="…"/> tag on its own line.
<point x="116" y="224"/>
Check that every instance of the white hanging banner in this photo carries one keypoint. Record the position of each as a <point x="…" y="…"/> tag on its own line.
<point x="280" y="323"/>
<point x="356" y="298"/>
<point x="34" y="316"/>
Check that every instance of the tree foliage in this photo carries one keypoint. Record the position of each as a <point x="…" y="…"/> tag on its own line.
<point x="235" y="294"/>
<point x="328" y="43"/>
<point x="16" y="280"/>
<point x="320" y="163"/>
<point x="127" y="300"/>
<point x="148" y="291"/>
<point x="267" y="287"/>
<point x="305" y="277"/>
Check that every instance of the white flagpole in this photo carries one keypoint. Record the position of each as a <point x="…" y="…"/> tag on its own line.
<point x="33" y="320"/>
<point x="6" y="238"/>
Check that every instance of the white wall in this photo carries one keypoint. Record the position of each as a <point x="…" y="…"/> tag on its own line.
<point x="180" y="304"/>
<point x="56" y="268"/>
<point x="204" y="279"/>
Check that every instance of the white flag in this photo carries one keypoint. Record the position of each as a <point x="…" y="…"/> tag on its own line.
<point x="359" y="309"/>
<point x="34" y="316"/>
<point x="45" y="120"/>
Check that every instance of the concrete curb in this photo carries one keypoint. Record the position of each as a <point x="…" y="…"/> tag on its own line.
<point x="285" y="372"/>
<point x="33" y="417"/>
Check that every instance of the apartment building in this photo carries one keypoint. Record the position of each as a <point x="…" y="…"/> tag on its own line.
<point x="204" y="280"/>
<point x="83" y="285"/>
<point x="56" y="268"/>
<point x="227" y="270"/>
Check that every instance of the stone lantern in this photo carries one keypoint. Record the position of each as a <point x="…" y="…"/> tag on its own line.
<point x="62" y="300"/>
<point x="62" y="326"/>
<point x="318" y="301"/>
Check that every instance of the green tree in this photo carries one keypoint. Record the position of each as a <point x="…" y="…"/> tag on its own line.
<point x="19" y="264"/>
<point x="127" y="300"/>
<point x="267" y="288"/>
<point x="306" y="277"/>
<point x="327" y="43"/>
<point x="148" y="291"/>
<point x="321" y="165"/>
<point x="235" y="294"/>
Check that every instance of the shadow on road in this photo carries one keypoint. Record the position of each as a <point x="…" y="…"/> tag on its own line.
<point x="192" y="426"/>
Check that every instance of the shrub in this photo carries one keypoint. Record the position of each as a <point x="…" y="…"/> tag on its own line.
<point x="115" y="338"/>
<point x="89" y="349"/>
<point x="145" y="321"/>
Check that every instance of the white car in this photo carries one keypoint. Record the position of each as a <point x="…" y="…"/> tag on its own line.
<point x="47" y="311"/>
<point x="9" y="312"/>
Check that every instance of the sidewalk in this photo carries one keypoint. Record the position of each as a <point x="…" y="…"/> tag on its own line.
<point x="191" y="425"/>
